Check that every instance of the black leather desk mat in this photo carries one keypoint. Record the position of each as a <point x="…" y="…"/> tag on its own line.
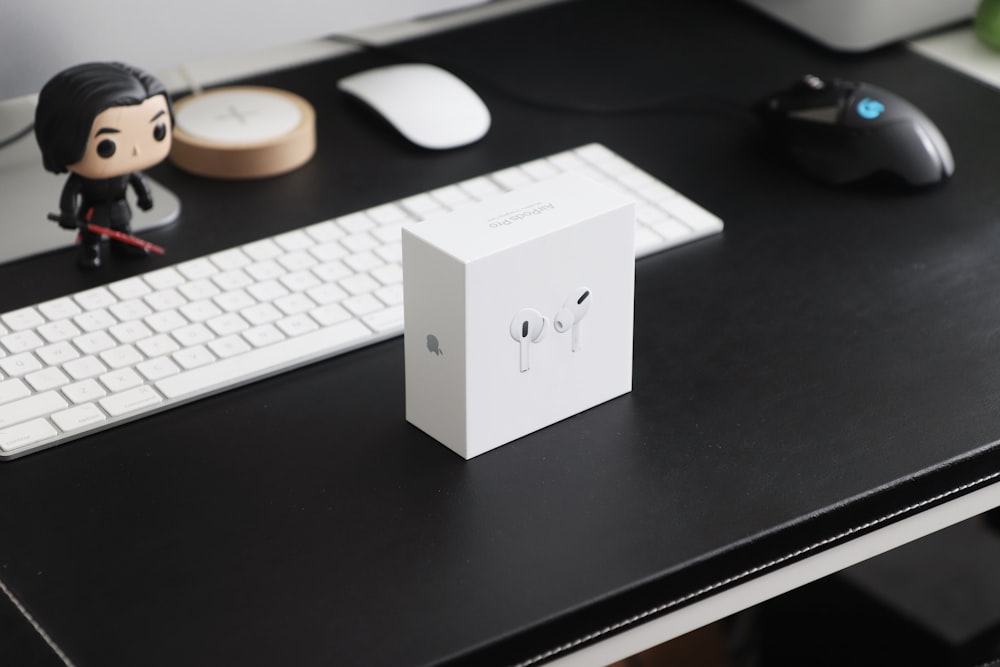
<point x="826" y="365"/>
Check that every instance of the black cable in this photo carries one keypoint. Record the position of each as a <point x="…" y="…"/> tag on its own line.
<point x="4" y="143"/>
<point x="688" y="104"/>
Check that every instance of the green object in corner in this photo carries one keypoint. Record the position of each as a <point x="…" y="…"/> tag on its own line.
<point x="987" y="22"/>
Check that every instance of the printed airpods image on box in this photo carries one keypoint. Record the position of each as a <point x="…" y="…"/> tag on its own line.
<point x="519" y="312"/>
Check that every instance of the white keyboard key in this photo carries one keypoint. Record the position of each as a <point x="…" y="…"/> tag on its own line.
<point x="267" y="290"/>
<point x="388" y="274"/>
<point x="296" y="325"/>
<point x="388" y="234"/>
<point x="164" y="278"/>
<point x="120" y="380"/>
<point x="330" y="314"/>
<point x="94" y="320"/>
<point x="129" y="332"/>
<point x="193" y="334"/>
<point x="227" y="324"/>
<point x="94" y="299"/>
<point x="25" y="318"/>
<point x="78" y="416"/>
<point x="20" y="364"/>
<point x="166" y="321"/>
<point x="260" y="361"/>
<point x="228" y="260"/>
<point x="262" y="313"/>
<point x="360" y="283"/>
<point x="193" y="357"/>
<point x="294" y="240"/>
<point x="480" y="188"/>
<point x="157" y="345"/>
<point x="22" y="341"/>
<point x="325" y="252"/>
<point x="84" y="367"/>
<point x="59" y="309"/>
<point x="49" y="377"/>
<point x="22" y="435"/>
<point x="391" y="252"/>
<point x="263" y="335"/>
<point x="390" y="295"/>
<point x="94" y="342"/>
<point x="57" y="353"/>
<point x="363" y="261"/>
<point x="158" y="368"/>
<point x="130" y="288"/>
<point x="420" y="205"/>
<point x="332" y="271"/>
<point x="294" y="303"/>
<point x="165" y="299"/>
<point x="300" y="281"/>
<point x="234" y="279"/>
<point x="324" y="232"/>
<point x="199" y="289"/>
<point x="24" y="409"/>
<point x="54" y="332"/>
<point x="387" y="319"/>
<point x="13" y="389"/>
<point x="354" y="222"/>
<point x="451" y="196"/>
<point x="234" y="300"/>
<point x="84" y="391"/>
<point x="297" y="261"/>
<point x="121" y="356"/>
<point x="262" y="250"/>
<point x="363" y="304"/>
<point x="382" y="215"/>
<point x="512" y="178"/>
<point x="131" y="400"/>
<point x="540" y="169"/>
<point x="266" y="270"/>
<point x="197" y="269"/>
<point x="199" y="311"/>
<point x="225" y="347"/>
<point x="356" y="243"/>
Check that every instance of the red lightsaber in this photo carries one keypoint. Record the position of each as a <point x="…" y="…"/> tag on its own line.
<point x="117" y="235"/>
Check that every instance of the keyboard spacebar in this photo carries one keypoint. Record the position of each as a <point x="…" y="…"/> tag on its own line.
<point x="257" y="363"/>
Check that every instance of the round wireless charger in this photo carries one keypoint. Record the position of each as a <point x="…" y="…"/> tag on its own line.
<point x="243" y="132"/>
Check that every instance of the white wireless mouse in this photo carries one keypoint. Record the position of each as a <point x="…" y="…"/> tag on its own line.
<point x="428" y="105"/>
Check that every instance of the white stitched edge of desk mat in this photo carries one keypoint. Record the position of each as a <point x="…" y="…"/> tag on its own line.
<point x="632" y="620"/>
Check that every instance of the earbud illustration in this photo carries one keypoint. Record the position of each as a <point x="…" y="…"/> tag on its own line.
<point x="527" y="327"/>
<point x="568" y="318"/>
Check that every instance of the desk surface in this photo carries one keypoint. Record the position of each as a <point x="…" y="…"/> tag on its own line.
<point x="827" y="363"/>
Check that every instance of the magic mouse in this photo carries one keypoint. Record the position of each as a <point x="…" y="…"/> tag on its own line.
<point x="428" y="105"/>
<point x="845" y="131"/>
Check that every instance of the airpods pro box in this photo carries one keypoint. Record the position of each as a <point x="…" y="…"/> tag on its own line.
<point x="518" y="312"/>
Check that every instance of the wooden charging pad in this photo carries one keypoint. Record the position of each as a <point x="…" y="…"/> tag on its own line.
<point x="243" y="132"/>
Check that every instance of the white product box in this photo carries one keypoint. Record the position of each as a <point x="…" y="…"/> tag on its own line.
<point x="518" y="312"/>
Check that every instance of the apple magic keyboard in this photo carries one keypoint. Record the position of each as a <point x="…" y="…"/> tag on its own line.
<point x="88" y="361"/>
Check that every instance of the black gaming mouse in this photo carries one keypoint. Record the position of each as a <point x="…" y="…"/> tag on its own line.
<point x="844" y="131"/>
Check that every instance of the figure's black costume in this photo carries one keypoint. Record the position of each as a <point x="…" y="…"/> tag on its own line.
<point x="101" y="202"/>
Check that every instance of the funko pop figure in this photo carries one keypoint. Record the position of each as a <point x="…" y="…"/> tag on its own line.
<point x="103" y="123"/>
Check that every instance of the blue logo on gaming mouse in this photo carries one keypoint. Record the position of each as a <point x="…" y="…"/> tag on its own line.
<point x="869" y="108"/>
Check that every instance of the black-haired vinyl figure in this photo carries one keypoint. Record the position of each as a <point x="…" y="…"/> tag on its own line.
<point x="104" y="123"/>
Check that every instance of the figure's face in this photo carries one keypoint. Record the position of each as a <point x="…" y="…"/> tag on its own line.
<point x="126" y="139"/>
